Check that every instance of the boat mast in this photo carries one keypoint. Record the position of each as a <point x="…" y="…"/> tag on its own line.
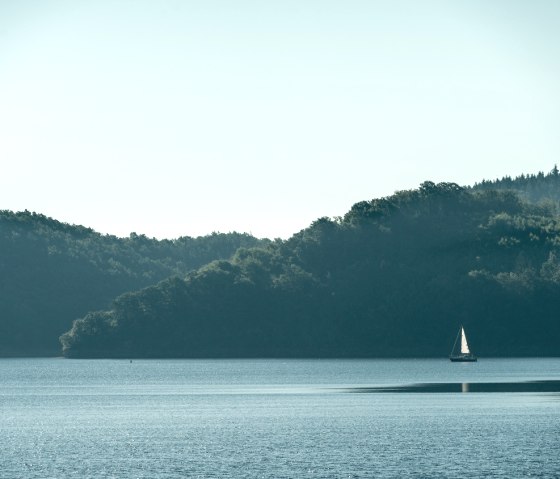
<point x="455" y="343"/>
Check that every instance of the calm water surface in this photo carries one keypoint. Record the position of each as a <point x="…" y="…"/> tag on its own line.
<point x="277" y="419"/>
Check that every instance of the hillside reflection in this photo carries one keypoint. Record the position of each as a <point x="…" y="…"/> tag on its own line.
<point x="549" y="386"/>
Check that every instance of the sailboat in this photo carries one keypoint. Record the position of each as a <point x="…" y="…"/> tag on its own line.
<point x="464" y="355"/>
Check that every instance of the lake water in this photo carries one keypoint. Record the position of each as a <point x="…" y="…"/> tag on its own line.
<point x="279" y="418"/>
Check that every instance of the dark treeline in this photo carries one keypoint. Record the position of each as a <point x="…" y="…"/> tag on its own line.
<point x="535" y="188"/>
<point x="52" y="273"/>
<point x="395" y="276"/>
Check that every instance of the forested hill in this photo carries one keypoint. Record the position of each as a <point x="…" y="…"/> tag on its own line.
<point x="52" y="273"/>
<point x="395" y="276"/>
<point x="535" y="188"/>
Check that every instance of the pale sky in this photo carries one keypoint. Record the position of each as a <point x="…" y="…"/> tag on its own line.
<point x="174" y="118"/>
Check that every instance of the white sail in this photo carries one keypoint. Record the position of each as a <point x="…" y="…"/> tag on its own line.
<point x="464" y="345"/>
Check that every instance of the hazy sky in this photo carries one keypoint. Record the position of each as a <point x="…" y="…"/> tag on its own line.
<point x="175" y="118"/>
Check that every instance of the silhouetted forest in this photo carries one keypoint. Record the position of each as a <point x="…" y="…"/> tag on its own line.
<point x="395" y="276"/>
<point x="52" y="273"/>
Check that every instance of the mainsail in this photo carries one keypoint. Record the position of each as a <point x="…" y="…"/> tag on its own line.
<point x="464" y="346"/>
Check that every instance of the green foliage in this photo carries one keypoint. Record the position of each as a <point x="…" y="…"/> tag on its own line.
<point x="52" y="273"/>
<point x="395" y="276"/>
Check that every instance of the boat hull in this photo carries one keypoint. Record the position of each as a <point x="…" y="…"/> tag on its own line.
<point x="463" y="359"/>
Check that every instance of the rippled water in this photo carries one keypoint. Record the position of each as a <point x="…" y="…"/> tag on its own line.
<point x="277" y="418"/>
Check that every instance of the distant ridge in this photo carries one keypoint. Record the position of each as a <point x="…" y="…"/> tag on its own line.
<point x="534" y="187"/>
<point x="52" y="272"/>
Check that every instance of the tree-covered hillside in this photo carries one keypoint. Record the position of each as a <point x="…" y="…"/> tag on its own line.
<point x="52" y="273"/>
<point x="395" y="276"/>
